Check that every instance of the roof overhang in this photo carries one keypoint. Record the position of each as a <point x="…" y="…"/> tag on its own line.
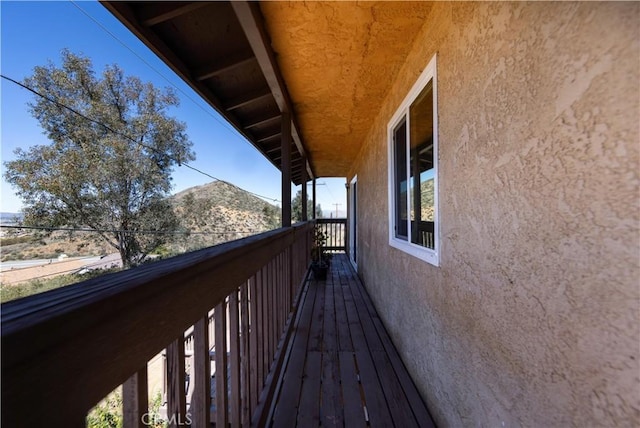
<point x="327" y="64"/>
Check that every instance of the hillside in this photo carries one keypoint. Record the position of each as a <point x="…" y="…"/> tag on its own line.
<point x="213" y="213"/>
<point x="219" y="212"/>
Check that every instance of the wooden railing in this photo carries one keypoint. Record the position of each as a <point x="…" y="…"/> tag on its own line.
<point x="66" y="349"/>
<point x="424" y="235"/>
<point x="336" y="231"/>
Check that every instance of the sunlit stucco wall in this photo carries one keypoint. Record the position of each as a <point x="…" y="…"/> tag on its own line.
<point x="532" y="316"/>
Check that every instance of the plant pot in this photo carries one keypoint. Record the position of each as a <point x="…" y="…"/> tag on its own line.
<point x="319" y="270"/>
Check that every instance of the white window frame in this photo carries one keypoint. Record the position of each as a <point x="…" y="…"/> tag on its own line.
<point x="429" y="255"/>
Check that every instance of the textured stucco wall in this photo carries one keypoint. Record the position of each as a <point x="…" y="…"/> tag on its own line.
<point x="532" y="317"/>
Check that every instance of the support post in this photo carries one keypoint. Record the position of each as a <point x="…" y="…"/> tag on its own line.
<point x="286" y="169"/>
<point x="305" y="215"/>
<point x="314" y="216"/>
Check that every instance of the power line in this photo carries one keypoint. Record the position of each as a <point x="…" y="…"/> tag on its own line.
<point x="127" y="137"/>
<point x="189" y="97"/>
<point x="143" y="232"/>
<point x="216" y="118"/>
<point x="328" y="190"/>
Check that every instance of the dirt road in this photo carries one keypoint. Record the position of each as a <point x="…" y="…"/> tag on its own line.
<point x="48" y="270"/>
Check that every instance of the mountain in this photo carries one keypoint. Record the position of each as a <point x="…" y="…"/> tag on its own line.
<point x="211" y="214"/>
<point x="218" y="212"/>
<point x="427" y="200"/>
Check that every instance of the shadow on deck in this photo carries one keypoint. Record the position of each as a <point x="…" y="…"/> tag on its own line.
<point x="342" y="368"/>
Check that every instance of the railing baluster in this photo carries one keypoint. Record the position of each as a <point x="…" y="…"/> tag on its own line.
<point x="274" y="308"/>
<point x="135" y="400"/>
<point x="234" y="354"/>
<point x="201" y="399"/>
<point x="276" y="303"/>
<point x="222" y="409"/>
<point x="176" y="399"/>
<point x="261" y="328"/>
<point x="253" y="345"/>
<point x="269" y="314"/>
<point x="245" y="390"/>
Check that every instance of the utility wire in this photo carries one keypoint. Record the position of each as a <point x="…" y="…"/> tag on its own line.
<point x="146" y="232"/>
<point x="127" y="137"/>
<point x="216" y="118"/>
<point x="328" y="190"/>
<point x="189" y="97"/>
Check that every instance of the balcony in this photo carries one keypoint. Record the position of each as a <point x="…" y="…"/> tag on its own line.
<point x="298" y="352"/>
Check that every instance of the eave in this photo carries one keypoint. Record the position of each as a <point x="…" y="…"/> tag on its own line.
<point x="328" y="65"/>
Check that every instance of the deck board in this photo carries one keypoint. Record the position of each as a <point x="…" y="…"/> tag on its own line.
<point x="285" y="414"/>
<point x="343" y="369"/>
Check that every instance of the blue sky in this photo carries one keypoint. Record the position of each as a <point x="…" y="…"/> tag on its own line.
<point x="32" y="33"/>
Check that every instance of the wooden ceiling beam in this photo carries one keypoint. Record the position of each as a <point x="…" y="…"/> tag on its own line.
<point x="272" y="149"/>
<point x="156" y="19"/>
<point x="252" y="23"/>
<point x="226" y="64"/>
<point x="294" y="160"/>
<point x="263" y="121"/>
<point x="124" y="13"/>
<point x="269" y="137"/>
<point x="248" y="99"/>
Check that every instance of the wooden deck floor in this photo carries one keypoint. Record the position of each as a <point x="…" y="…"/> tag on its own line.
<point x="342" y="368"/>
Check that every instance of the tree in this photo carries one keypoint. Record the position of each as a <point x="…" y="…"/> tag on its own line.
<point x="296" y="208"/>
<point x="111" y="173"/>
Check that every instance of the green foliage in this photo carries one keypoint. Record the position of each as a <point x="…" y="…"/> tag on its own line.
<point x="91" y="176"/>
<point x="154" y="412"/>
<point x="296" y="208"/>
<point x="163" y="251"/>
<point x="272" y="216"/>
<point x="108" y="413"/>
<point x="318" y="253"/>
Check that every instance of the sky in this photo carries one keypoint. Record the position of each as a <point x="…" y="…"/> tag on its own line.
<point x="34" y="33"/>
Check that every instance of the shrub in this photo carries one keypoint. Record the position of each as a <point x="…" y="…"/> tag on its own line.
<point x="108" y="413"/>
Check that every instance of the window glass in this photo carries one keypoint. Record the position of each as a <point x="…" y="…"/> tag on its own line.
<point x="413" y="170"/>
<point x="421" y="168"/>
<point x="400" y="148"/>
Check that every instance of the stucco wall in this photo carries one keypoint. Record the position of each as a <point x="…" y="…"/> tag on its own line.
<point x="532" y="317"/>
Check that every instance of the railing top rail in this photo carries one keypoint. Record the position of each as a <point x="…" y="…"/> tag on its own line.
<point x="99" y="331"/>
<point x="330" y="220"/>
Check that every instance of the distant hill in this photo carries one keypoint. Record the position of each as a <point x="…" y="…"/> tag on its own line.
<point x="8" y="218"/>
<point x="218" y="212"/>
<point x="213" y="213"/>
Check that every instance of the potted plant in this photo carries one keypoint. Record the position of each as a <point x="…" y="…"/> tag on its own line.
<point x="319" y="259"/>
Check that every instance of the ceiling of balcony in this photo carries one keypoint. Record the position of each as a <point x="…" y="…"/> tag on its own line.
<point x="329" y="64"/>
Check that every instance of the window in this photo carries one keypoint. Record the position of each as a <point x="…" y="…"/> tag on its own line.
<point x="413" y="178"/>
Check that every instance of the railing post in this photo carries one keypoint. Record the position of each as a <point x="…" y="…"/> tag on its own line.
<point x="305" y="215"/>
<point x="176" y="398"/>
<point x="234" y="354"/>
<point x="253" y="346"/>
<point x="261" y="327"/>
<point x="314" y="216"/>
<point x="245" y="356"/>
<point x="201" y="399"/>
<point x="135" y="400"/>
<point x="285" y="168"/>
<point x="222" y="409"/>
